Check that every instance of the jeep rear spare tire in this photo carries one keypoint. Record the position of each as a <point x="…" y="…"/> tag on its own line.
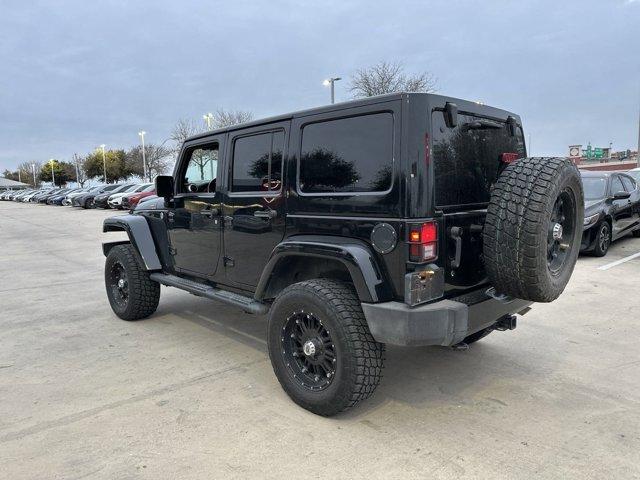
<point x="533" y="228"/>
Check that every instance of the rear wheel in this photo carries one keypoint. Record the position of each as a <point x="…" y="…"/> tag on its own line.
<point x="132" y="294"/>
<point x="603" y="240"/>
<point x="321" y="348"/>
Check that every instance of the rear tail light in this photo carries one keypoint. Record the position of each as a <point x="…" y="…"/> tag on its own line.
<point x="509" y="157"/>
<point x="423" y="242"/>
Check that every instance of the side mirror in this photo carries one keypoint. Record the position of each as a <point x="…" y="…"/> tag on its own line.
<point x="621" y="195"/>
<point x="164" y="186"/>
<point x="451" y="115"/>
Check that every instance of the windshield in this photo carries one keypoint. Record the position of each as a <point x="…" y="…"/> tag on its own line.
<point x="594" y="187"/>
<point x="635" y="174"/>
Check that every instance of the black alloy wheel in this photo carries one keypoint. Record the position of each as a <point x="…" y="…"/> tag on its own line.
<point x="603" y="240"/>
<point x="562" y="220"/>
<point x="119" y="284"/>
<point x="308" y="351"/>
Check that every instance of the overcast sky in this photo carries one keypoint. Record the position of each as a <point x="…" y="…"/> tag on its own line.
<point x="75" y="74"/>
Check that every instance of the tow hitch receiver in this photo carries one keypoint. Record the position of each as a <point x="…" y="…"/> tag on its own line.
<point x="508" y="322"/>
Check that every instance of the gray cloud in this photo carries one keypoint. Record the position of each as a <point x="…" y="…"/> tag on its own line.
<point x="76" y="74"/>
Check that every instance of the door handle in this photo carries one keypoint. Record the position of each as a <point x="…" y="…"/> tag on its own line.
<point x="265" y="213"/>
<point x="456" y="234"/>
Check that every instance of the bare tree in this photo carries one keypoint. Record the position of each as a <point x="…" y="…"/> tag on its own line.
<point x="158" y="158"/>
<point x="80" y="172"/>
<point x="26" y="171"/>
<point x="184" y="129"/>
<point x="389" y="77"/>
<point x="226" y="118"/>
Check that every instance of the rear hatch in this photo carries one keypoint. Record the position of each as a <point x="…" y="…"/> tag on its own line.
<point x="467" y="159"/>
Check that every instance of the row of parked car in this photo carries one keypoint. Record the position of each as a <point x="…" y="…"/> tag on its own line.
<point x="116" y="195"/>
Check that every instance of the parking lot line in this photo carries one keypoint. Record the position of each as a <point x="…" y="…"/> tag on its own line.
<point x="619" y="262"/>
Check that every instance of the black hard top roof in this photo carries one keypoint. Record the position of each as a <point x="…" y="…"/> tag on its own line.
<point x="433" y="98"/>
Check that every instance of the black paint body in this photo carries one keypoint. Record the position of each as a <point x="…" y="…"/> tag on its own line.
<point x="256" y="243"/>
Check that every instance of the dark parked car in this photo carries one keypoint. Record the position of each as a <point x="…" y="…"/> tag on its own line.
<point x="612" y="210"/>
<point x="58" y="198"/>
<point x="86" y="199"/>
<point x="408" y="219"/>
<point x="101" y="200"/>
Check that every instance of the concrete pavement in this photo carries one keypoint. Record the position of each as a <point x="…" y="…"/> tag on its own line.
<point x="189" y="392"/>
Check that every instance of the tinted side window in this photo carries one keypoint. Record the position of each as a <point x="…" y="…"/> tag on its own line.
<point x="629" y="184"/>
<point x="257" y="162"/>
<point x="467" y="158"/>
<point x="616" y="185"/>
<point x="347" y="155"/>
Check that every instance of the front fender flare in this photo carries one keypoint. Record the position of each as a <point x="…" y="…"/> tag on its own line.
<point x="355" y="255"/>
<point x="140" y="237"/>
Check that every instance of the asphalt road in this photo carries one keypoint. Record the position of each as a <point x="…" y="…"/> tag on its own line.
<point x="189" y="393"/>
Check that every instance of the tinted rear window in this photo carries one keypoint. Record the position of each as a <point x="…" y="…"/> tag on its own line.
<point x="347" y="155"/>
<point x="466" y="158"/>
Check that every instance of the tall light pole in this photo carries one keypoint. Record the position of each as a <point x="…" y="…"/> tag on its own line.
<point x="53" y="175"/>
<point x="104" y="162"/>
<point x="75" y="157"/>
<point x="144" y="158"/>
<point x="33" y="169"/>
<point x="331" y="82"/>
<point x="208" y="117"/>
<point x="529" y="149"/>
<point x="19" y="175"/>
<point x="638" y="154"/>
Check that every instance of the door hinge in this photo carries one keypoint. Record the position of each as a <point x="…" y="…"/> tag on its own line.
<point x="173" y="251"/>
<point x="229" y="262"/>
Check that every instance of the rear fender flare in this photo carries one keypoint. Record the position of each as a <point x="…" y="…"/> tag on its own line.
<point x="356" y="256"/>
<point x="140" y="237"/>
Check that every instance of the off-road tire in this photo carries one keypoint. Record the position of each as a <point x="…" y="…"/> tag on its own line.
<point x="143" y="294"/>
<point x="87" y="204"/>
<point x="517" y="227"/>
<point x="359" y="358"/>
<point x="603" y="240"/>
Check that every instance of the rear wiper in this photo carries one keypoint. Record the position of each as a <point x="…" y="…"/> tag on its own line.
<point x="480" y="125"/>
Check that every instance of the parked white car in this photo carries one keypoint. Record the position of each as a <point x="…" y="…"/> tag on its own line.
<point x="115" y="200"/>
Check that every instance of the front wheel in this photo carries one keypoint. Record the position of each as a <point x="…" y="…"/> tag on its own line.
<point x="603" y="240"/>
<point x="132" y="294"/>
<point x="321" y="348"/>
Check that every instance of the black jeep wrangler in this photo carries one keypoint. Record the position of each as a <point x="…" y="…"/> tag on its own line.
<point x="409" y="219"/>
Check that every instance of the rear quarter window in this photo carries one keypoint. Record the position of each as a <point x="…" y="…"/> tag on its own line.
<point x="347" y="155"/>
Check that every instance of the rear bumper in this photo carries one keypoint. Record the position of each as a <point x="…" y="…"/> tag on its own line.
<point x="445" y="322"/>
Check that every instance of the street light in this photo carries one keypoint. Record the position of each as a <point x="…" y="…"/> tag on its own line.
<point x="208" y="117"/>
<point x="104" y="161"/>
<point x="33" y="169"/>
<point x="53" y="176"/>
<point x="330" y="82"/>
<point x="144" y="158"/>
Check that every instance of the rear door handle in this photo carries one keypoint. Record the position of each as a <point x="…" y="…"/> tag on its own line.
<point x="265" y="213"/>
<point x="456" y="234"/>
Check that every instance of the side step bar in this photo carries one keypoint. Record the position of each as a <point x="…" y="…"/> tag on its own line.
<point x="247" y="304"/>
